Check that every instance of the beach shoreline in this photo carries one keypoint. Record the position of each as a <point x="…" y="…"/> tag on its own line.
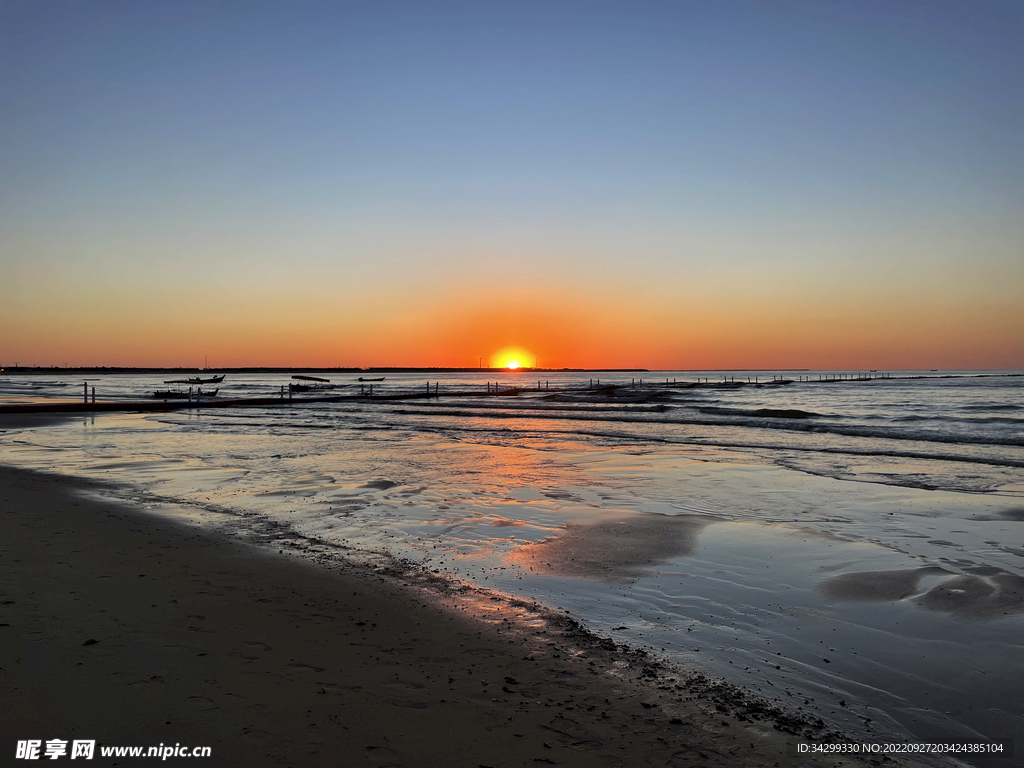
<point x="133" y="629"/>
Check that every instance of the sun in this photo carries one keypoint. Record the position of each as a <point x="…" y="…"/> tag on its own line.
<point x="512" y="358"/>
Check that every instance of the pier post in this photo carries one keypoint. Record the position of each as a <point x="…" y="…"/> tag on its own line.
<point x="94" y="395"/>
<point x="85" y="392"/>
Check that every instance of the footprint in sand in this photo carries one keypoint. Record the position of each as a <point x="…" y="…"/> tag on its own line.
<point x="202" y="703"/>
<point x="261" y="738"/>
<point x="381" y="756"/>
<point x="405" y="685"/>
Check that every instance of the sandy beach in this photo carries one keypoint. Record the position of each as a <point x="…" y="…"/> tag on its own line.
<point x="133" y="630"/>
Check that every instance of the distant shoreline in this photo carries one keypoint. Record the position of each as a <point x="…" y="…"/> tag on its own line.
<point x="395" y="369"/>
<point x="118" y="369"/>
<point x="50" y="370"/>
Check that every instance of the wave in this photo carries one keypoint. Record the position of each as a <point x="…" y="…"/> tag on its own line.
<point x="754" y="444"/>
<point x="789" y="425"/>
<point x="961" y="419"/>
<point x="768" y="413"/>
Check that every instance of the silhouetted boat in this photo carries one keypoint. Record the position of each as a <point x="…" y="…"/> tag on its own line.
<point x="316" y="384"/>
<point x="200" y="393"/>
<point x="361" y="378"/>
<point x="197" y="380"/>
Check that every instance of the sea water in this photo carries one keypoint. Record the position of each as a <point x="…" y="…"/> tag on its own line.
<point x="850" y="544"/>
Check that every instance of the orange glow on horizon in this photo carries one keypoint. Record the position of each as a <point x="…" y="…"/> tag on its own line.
<point x="544" y="328"/>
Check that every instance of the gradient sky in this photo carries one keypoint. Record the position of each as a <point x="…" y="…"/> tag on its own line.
<point x="659" y="184"/>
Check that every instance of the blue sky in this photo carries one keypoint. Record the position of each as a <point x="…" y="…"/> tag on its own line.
<point x="754" y="151"/>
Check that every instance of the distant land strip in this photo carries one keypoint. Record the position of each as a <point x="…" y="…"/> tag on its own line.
<point x="118" y="369"/>
<point x="395" y="369"/>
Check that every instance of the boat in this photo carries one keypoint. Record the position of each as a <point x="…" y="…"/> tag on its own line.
<point x="197" y="380"/>
<point x="315" y="384"/>
<point x="363" y="378"/>
<point x="200" y="393"/>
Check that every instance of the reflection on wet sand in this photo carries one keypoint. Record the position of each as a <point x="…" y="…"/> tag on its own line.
<point x="881" y="586"/>
<point x="981" y="593"/>
<point x="619" y="550"/>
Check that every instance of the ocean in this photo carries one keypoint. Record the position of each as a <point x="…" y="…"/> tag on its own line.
<point x="846" y="543"/>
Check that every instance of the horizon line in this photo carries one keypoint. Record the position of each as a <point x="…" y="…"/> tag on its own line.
<point x="446" y="369"/>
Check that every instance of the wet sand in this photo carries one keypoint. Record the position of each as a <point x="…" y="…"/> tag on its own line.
<point x="614" y="550"/>
<point x="981" y="593"/>
<point x="132" y="629"/>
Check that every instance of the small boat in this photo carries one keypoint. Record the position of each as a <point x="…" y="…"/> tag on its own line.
<point x="316" y="384"/>
<point x="310" y="387"/>
<point x="171" y="394"/>
<point x="200" y="393"/>
<point x="197" y="380"/>
<point x="363" y="378"/>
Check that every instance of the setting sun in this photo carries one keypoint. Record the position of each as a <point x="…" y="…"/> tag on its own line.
<point x="512" y="358"/>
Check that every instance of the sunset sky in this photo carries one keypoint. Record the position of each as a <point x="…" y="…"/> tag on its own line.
<point x="655" y="184"/>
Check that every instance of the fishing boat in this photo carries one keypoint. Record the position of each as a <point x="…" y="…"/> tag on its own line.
<point x="315" y="384"/>
<point x="170" y="394"/>
<point x="197" y="380"/>
<point x="201" y="394"/>
<point x="363" y="378"/>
